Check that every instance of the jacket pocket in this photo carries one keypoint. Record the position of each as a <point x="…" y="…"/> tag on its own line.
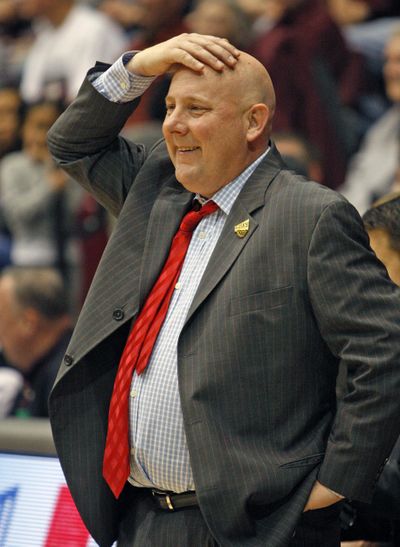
<point x="262" y="300"/>
<point x="302" y="462"/>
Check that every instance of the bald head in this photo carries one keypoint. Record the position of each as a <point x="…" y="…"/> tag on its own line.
<point x="248" y="83"/>
<point x="251" y="81"/>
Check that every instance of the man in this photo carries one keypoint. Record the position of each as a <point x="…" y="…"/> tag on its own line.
<point x="382" y="222"/>
<point x="234" y="418"/>
<point x="35" y="328"/>
<point x="68" y="36"/>
<point x="373" y="169"/>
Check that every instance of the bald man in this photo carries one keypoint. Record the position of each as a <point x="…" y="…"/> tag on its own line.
<point x="230" y="433"/>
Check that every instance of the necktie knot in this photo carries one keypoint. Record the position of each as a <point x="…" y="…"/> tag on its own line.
<point x="192" y="218"/>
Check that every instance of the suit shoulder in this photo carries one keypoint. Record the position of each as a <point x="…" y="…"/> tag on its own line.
<point x="306" y="192"/>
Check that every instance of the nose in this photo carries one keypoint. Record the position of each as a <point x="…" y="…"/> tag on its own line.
<point x="174" y="122"/>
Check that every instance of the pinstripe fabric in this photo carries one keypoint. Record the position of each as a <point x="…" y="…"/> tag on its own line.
<point x="145" y="526"/>
<point x="275" y="315"/>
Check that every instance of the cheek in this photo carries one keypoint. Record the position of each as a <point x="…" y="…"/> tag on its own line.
<point x="393" y="268"/>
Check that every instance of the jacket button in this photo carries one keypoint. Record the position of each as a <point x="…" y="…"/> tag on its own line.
<point x="68" y="360"/>
<point x="118" y="314"/>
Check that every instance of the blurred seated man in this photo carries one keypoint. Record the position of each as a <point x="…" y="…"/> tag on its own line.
<point x="323" y="84"/>
<point x="35" y="328"/>
<point x="372" y="170"/>
<point x="299" y="154"/>
<point x="223" y="18"/>
<point x="382" y="222"/>
<point x="367" y="25"/>
<point x="70" y="37"/>
<point x="38" y="202"/>
<point x="376" y="522"/>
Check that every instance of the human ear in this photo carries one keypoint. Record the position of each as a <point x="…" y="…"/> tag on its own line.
<point x="257" y="118"/>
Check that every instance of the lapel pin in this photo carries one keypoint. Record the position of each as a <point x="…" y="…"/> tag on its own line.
<point x="242" y="228"/>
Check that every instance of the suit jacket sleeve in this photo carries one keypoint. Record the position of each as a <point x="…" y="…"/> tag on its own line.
<point x="85" y="142"/>
<point x="356" y="308"/>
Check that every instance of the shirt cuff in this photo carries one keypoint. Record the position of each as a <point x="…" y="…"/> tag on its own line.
<point x="119" y="85"/>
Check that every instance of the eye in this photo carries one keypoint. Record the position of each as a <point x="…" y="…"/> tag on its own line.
<point x="169" y="108"/>
<point x="197" y="110"/>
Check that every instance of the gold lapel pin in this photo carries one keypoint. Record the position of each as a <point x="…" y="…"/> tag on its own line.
<point x="242" y="228"/>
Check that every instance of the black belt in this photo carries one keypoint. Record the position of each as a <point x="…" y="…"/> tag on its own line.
<point x="169" y="501"/>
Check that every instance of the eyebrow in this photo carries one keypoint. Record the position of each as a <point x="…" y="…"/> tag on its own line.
<point x="188" y="98"/>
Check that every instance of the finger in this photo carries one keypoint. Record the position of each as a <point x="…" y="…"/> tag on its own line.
<point x="213" y="50"/>
<point x="196" y="57"/>
<point x="197" y="50"/>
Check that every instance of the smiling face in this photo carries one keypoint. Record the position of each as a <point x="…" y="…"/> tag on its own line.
<point x="212" y="130"/>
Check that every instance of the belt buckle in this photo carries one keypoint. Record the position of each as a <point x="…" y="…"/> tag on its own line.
<point x="166" y="497"/>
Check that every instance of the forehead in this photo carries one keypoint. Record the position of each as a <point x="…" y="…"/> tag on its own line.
<point x="208" y="84"/>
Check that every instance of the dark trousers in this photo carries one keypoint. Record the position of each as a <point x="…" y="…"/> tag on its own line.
<point x="143" y="525"/>
<point x="319" y="528"/>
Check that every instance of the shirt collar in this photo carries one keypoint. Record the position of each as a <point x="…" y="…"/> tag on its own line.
<point x="226" y="196"/>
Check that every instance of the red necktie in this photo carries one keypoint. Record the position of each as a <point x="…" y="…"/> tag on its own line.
<point x="138" y="349"/>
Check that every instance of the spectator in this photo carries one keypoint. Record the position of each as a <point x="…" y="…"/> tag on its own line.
<point x="15" y="40"/>
<point x="126" y="13"/>
<point x="380" y="520"/>
<point x="37" y="200"/>
<point x="10" y="120"/>
<point x="324" y="77"/>
<point x="11" y="382"/>
<point x="299" y="154"/>
<point x="69" y="39"/>
<point x="224" y="18"/>
<point x="373" y="168"/>
<point x="382" y="222"/>
<point x="159" y="20"/>
<point x="367" y="25"/>
<point x="35" y="328"/>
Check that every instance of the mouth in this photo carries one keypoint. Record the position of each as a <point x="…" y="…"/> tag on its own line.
<point x="186" y="149"/>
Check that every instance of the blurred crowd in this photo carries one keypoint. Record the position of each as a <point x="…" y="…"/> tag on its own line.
<point x="335" y="65"/>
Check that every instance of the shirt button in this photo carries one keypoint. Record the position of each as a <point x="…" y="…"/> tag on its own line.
<point x="202" y="235"/>
<point x="133" y="393"/>
<point x="178" y="286"/>
<point x="122" y="85"/>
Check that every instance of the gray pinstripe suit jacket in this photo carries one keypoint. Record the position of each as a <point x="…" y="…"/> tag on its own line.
<point x="276" y="314"/>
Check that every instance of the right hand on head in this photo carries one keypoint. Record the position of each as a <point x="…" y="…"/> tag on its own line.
<point x="193" y="51"/>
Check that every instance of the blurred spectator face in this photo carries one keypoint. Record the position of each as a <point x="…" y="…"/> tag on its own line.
<point x="37" y="122"/>
<point x="15" y="326"/>
<point x="276" y="9"/>
<point x="380" y="242"/>
<point x="213" y="17"/>
<point x="34" y="8"/>
<point x="292" y="147"/>
<point x="154" y="14"/>
<point x="10" y="102"/>
<point x="391" y="68"/>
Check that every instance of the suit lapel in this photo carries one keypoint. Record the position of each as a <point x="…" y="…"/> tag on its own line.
<point x="229" y="246"/>
<point x="165" y="217"/>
